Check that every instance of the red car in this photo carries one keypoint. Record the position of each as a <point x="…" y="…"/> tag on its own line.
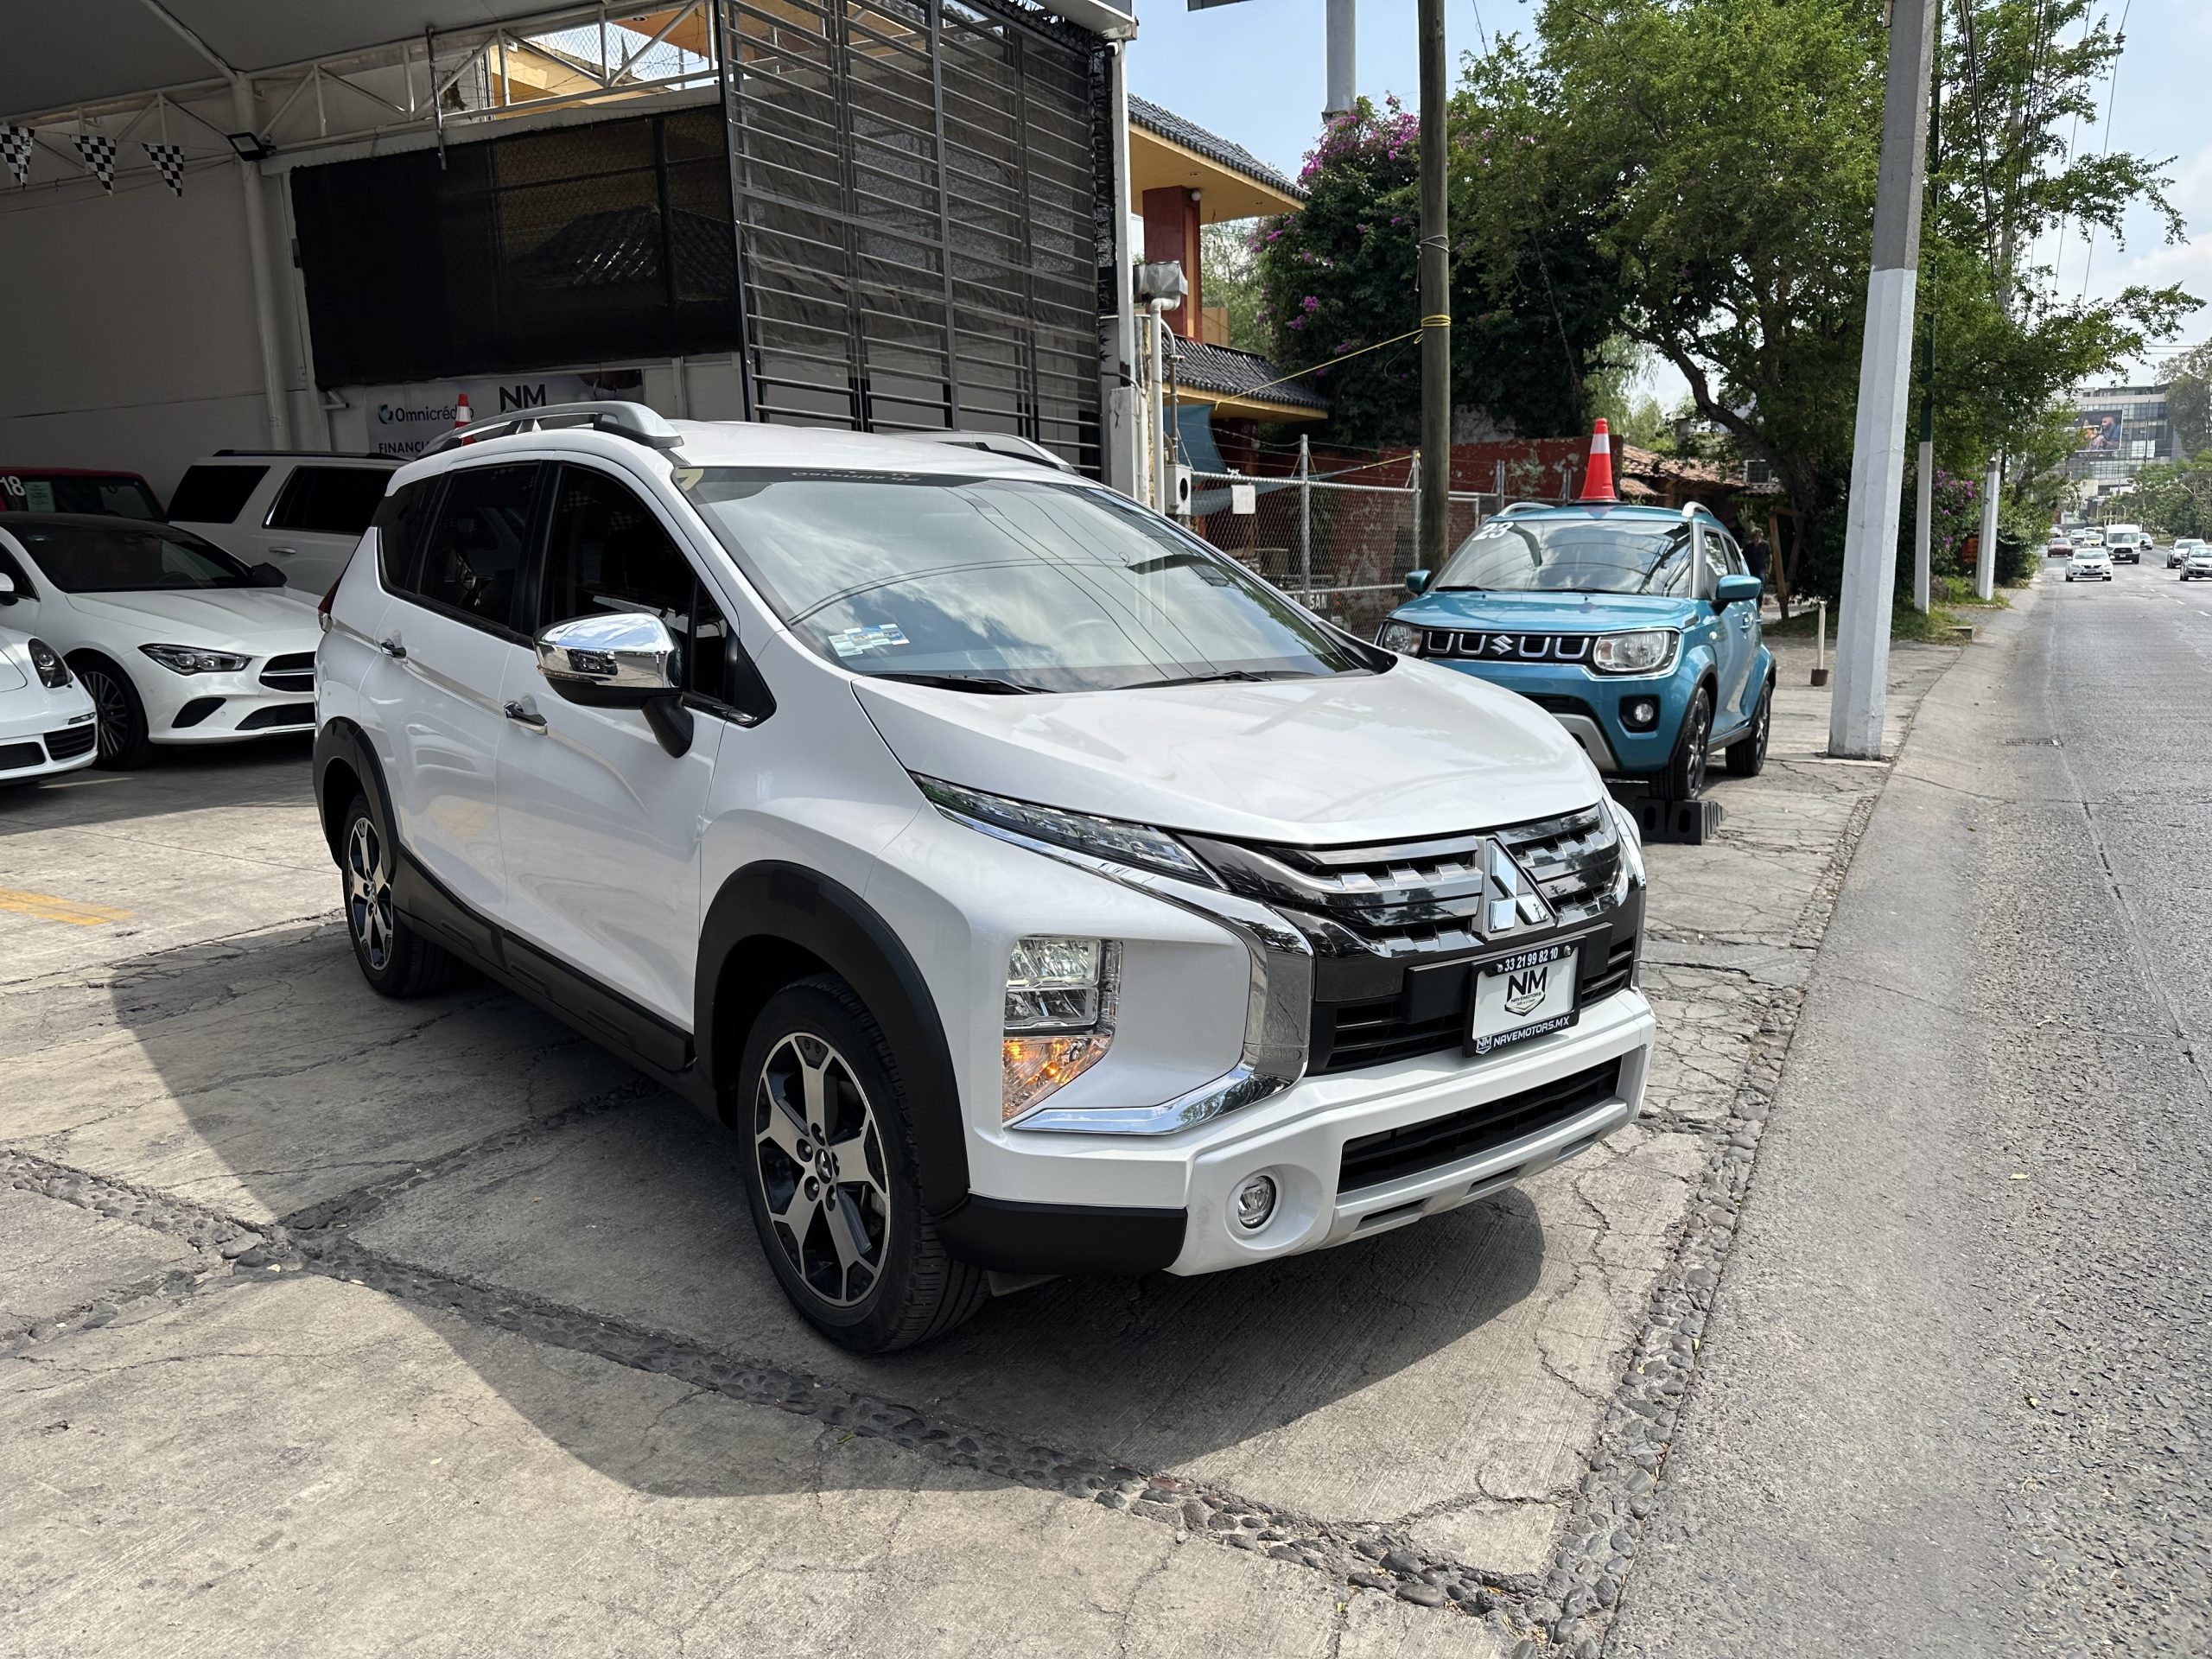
<point x="77" y="489"/>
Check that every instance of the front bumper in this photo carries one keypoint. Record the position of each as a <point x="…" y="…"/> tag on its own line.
<point x="1589" y="707"/>
<point x="1299" y="1138"/>
<point x="53" y="735"/>
<point x="223" y="707"/>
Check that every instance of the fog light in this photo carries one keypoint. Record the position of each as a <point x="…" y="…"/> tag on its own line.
<point x="1640" y="713"/>
<point x="1255" y="1203"/>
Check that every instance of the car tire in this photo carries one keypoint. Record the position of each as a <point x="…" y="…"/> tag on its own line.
<point x="1684" y="778"/>
<point x="833" y="1178"/>
<point x="1747" y="754"/>
<point x="395" y="959"/>
<point x="121" y="716"/>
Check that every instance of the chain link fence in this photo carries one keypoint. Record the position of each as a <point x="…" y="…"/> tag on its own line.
<point x="1343" y="549"/>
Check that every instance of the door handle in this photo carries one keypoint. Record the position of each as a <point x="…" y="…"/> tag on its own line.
<point x="288" y="552"/>
<point x="522" y="714"/>
<point x="391" y="648"/>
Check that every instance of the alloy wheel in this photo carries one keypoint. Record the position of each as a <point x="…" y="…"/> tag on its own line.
<point x="822" y="1170"/>
<point x="368" y="894"/>
<point x="110" y="711"/>
<point x="1699" y="738"/>
<point x="1766" y="722"/>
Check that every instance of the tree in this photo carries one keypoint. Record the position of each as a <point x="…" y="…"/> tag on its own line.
<point x="1534" y="304"/>
<point x="1724" y="154"/>
<point x="2176" y="496"/>
<point x="1231" y="262"/>
<point x="2189" y="400"/>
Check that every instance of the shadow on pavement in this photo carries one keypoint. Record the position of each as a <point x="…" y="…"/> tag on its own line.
<point x="272" y="1082"/>
<point x="269" y="771"/>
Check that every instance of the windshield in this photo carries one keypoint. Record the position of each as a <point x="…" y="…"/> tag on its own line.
<point x="127" y="558"/>
<point x="1005" y="584"/>
<point x="1572" y="555"/>
<point x="119" y="494"/>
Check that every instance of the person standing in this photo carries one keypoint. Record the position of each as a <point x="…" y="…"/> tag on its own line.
<point x="1756" y="555"/>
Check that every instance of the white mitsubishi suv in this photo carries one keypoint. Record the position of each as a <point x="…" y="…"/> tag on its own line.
<point x="1030" y="887"/>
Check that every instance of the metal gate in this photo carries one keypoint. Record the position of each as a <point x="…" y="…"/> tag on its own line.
<point x="917" y="198"/>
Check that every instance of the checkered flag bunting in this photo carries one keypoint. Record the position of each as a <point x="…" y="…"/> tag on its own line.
<point x="170" y="160"/>
<point x="99" y="151"/>
<point x="15" y="150"/>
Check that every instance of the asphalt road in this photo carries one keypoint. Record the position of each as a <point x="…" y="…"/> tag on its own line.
<point x="1955" y="1392"/>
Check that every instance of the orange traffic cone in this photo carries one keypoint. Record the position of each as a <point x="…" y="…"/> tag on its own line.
<point x="1598" y="482"/>
<point x="462" y="416"/>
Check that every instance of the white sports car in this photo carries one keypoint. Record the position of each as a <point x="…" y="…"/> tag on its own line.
<point x="46" y="719"/>
<point x="174" y="640"/>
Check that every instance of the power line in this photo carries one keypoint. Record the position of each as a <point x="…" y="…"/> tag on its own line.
<point x="2112" y="99"/>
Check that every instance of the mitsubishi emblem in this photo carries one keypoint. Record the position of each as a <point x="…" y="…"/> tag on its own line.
<point x="1513" y="900"/>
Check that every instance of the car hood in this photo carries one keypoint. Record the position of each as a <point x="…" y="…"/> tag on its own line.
<point x="1550" y="612"/>
<point x="259" y="621"/>
<point x="15" y="660"/>
<point x="1415" y="752"/>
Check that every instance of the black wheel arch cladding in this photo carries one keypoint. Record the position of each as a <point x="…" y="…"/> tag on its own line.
<point x="772" y="923"/>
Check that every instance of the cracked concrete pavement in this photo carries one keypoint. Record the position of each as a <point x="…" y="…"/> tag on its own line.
<point x="332" y="1323"/>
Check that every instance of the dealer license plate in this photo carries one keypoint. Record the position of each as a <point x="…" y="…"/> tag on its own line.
<point x="1526" y="994"/>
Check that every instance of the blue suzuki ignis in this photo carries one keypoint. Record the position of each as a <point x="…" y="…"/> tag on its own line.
<point x="1638" y="627"/>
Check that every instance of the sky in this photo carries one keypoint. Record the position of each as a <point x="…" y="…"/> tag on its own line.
<point x="1252" y="73"/>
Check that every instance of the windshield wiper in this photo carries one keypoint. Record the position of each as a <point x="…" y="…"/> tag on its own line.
<point x="983" y="683"/>
<point x="1228" y="674"/>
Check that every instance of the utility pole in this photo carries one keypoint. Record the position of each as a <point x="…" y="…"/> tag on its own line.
<point x="1435" y="503"/>
<point x="1923" y="512"/>
<point x="1870" y="549"/>
<point x="1344" y="56"/>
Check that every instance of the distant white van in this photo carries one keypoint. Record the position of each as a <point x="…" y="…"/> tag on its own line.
<point x="2126" y="543"/>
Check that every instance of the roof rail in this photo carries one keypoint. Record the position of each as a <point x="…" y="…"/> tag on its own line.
<point x="1691" y="508"/>
<point x="635" y="421"/>
<point x="306" y="455"/>
<point x="1528" y="506"/>
<point x="996" y="443"/>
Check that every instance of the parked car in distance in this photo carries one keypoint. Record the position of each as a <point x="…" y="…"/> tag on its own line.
<point x="2197" y="562"/>
<point x="2089" y="564"/>
<point x="828" y="779"/>
<point x="302" y="513"/>
<point x="2177" y="554"/>
<point x="1637" y="627"/>
<point x="76" y="489"/>
<point x="174" y="640"/>
<point x="46" y="718"/>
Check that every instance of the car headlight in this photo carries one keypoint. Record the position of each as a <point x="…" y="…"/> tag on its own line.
<point x="1640" y="650"/>
<point x="53" y="672"/>
<point x="1059" y="1016"/>
<point x="1401" y="637"/>
<point x="1631" y="848"/>
<point x="190" y="659"/>
<point x="1107" y="838"/>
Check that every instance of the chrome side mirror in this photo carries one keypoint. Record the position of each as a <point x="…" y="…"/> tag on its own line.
<point x="7" y="588"/>
<point x="618" y="660"/>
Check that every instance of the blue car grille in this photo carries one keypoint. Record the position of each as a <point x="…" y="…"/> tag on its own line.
<point x="1499" y="648"/>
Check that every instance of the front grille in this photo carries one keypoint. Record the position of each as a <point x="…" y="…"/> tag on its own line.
<point x="1434" y="898"/>
<point x="14" y="757"/>
<point x="1376" y="1159"/>
<point x="278" y="713"/>
<point x="71" y="741"/>
<point x="1376" y="1030"/>
<point x="293" y="671"/>
<point x="1494" y="647"/>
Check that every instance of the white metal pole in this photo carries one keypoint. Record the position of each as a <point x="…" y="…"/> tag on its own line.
<point x="279" y="417"/>
<point x="1122" y="463"/>
<point x="1884" y="382"/>
<point x="1985" y="567"/>
<point x="1344" y="55"/>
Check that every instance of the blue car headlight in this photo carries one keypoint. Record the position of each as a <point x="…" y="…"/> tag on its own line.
<point x="1402" y="636"/>
<point x="1639" y="651"/>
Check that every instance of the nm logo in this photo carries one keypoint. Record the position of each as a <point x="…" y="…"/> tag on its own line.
<point x="1525" y="991"/>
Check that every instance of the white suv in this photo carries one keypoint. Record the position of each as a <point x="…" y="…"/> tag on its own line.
<point x="301" y="511"/>
<point x="1030" y="888"/>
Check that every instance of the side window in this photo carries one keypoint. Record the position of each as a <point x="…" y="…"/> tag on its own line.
<point x="213" y="495"/>
<point x="472" y="556"/>
<point x="401" y="520"/>
<point x="329" y="501"/>
<point x="606" y="551"/>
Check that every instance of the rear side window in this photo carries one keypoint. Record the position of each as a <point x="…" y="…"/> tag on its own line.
<point x="401" y="520"/>
<point x="472" y="560"/>
<point x="330" y="500"/>
<point x="213" y="495"/>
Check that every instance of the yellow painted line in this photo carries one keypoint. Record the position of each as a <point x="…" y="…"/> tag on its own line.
<point x="48" y="908"/>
